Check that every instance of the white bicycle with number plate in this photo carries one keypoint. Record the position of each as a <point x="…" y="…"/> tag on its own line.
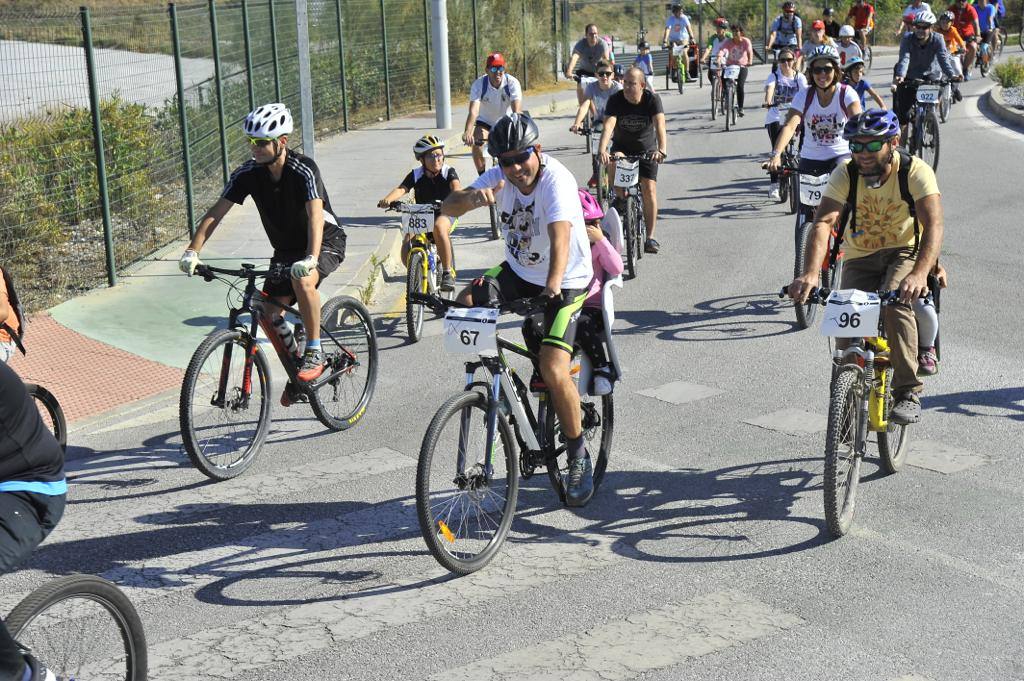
<point x="730" y="77"/>
<point x="467" y="480"/>
<point x="860" y="397"/>
<point x="631" y="209"/>
<point x="812" y="188"/>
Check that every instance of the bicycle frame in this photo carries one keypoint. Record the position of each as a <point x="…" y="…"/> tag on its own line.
<point x="865" y="358"/>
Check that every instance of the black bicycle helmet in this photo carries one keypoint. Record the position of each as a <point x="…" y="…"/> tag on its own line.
<point x="514" y="132"/>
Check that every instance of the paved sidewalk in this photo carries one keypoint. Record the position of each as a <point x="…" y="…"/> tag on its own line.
<point x="114" y="346"/>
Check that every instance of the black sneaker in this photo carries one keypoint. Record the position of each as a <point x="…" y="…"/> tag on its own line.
<point x="907" y="410"/>
<point x="579" y="482"/>
<point x="651" y="246"/>
<point x="740" y="112"/>
<point x="312" y="365"/>
<point x="447" y="281"/>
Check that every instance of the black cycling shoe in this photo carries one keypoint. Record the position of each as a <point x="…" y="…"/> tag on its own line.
<point x="579" y="481"/>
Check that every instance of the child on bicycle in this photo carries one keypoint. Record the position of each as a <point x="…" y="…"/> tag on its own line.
<point x="854" y="76"/>
<point x="645" y="62"/>
<point x="928" y="328"/>
<point x="607" y="262"/>
<point x="432" y="181"/>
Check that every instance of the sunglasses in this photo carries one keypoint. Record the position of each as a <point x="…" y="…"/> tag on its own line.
<point x="786" y="60"/>
<point x="604" y="73"/>
<point x="922" y="27"/>
<point x="517" y="160"/>
<point x="822" y="69"/>
<point x="872" y="146"/>
<point x="496" y="69"/>
<point x="261" y="141"/>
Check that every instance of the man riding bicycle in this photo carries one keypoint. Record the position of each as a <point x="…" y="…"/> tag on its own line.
<point x="432" y="181"/>
<point x="965" y="18"/>
<point x="715" y="43"/>
<point x="493" y="95"/>
<point x="297" y="216"/>
<point x="547" y="253"/>
<point x="587" y="51"/>
<point x="595" y="99"/>
<point x="677" y="32"/>
<point x="923" y="54"/>
<point x="635" y="124"/>
<point x="787" y="31"/>
<point x="888" y="244"/>
<point x="32" y="496"/>
<point x="862" y="17"/>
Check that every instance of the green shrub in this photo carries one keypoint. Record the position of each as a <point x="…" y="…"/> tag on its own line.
<point x="1010" y="73"/>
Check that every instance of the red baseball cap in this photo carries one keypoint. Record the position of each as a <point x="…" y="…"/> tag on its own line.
<point x="495" y="59"/>
<point x="818" y="24"/>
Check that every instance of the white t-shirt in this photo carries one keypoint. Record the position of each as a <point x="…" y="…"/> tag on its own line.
<point x="599" y="97"/>
<point x="785" y="90"/>
<point x="846" y="52"/>
<point x="823" y="127"/>
<point x="495" y="102"/>
<point x="525" y="218"/>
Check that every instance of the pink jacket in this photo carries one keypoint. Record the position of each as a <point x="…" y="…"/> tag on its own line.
<point x="735" y="51"/>
<point x="606" y="260"/>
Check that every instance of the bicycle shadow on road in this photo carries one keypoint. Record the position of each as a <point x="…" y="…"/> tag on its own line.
<point x="997" y="402"/>
<point x="753" y="315"/>
<point x="687" y="515"/>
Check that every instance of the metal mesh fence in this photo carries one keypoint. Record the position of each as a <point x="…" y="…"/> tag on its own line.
<point x="370" y="60"/>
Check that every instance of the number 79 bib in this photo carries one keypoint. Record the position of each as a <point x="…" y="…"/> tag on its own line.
<point x="850" y="313"/>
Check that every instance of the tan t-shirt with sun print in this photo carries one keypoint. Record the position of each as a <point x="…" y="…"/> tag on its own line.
<point x="883" y="219"/>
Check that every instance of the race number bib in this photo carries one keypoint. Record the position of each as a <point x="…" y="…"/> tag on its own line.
<point x="417" y="218"/>
<point x="850" y="313"/>
<point x="471" y="330"/>
<point x="627" y="173"/>
<point x="928" y="94"/>
<point x="731" y="72"/>
<point x="678" y="49"/>
<point x="811" y="188"/>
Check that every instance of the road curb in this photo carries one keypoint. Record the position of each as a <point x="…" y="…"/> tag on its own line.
<point x="1001" y="110"/>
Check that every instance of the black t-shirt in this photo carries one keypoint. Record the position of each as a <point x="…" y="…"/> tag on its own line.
<point x="634" y="123"/>
<point x="28" y="450"/>
<point x="282" y="204"/>
<point x="428" y="189"/>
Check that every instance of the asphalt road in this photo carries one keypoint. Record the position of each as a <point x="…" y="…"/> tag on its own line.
<point x="704" y="555"/>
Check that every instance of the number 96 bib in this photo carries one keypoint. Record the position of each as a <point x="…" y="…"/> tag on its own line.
<point x="850" y="313"/>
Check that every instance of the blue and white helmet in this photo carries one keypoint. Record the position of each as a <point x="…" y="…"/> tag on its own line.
<point x="872" y="123"/>
<point x="851" y="62"/>
<point x="269" y="121"/>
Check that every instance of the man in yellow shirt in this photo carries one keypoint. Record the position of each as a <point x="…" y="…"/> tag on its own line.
<point x="892" y="240"/>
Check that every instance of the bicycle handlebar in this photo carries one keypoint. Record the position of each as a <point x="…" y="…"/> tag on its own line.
<point x="524" y="307"/>
<point x="247" y="271"/>
<point x="401" y="206"/>
<point x="820" y="295"/>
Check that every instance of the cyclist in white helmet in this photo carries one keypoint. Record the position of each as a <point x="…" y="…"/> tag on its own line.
<point x="296" y="214"/>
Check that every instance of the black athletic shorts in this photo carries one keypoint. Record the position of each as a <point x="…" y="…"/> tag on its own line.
<point x="331" y="256"/>
<point x="648" y="168"/>
<point x="26" y="518"/>
<point x="500" y="284"/>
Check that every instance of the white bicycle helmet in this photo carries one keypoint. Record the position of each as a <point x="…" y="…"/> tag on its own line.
<point x="269" y="121"/>
<point x="846" y="31"/>
<point x="924" y="17"/>
<point x="819" y="52"/>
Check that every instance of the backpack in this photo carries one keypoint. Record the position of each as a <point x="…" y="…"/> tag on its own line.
<point x="487" y="85"/>
<point x="849" y="216"/>
<point x="12" y="298"/>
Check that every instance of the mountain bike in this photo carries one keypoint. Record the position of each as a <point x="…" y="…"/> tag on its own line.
<point x="224" y="408"/>
<point x="51" y="413"/>
<point x="730" y="74"/>
<point x="82" y="627"/>
<point x="680" y="54"/>
<point x="424" y="264"/>
<point x="811" y="189"/>
<point x="789" y="188"/>
<point x="924" y="122"/>
<point x="467" y="478"/>
<point x="593" y="133"/>
<point x="860" y="398"/>
<point x="634" y="227"/>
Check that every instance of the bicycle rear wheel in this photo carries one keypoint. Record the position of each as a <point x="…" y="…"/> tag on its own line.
<point x="628" y="227"/>
<point x="349" y="344"/>
<point x="416" y="282"/>
<point x="464" y="513"/>
<point x="892" y="443"/>
<point x="598" y="415"/>
<point x="806" y="312"/>
<point x="82" y="627"/>
<point x="223" y="425"/>
<point x="51" y="413"/>
<point x="842" y="461"/>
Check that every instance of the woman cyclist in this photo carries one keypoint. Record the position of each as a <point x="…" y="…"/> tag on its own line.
<point x="779" y="90"/>
<point x="737" y="51"/>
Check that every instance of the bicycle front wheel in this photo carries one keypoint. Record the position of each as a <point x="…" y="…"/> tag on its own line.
<point x="892" y="442"/>
<point x="598" y="417"/>
<point x="716" y="94"/>
<point x="794" y="192"/>
<point x="629" y="227"/>
<point x="464" y="510"/>
<point x="494" y="222"/>
<point x="82" y="627"/>
<point x="416" y="282"/>
<point x="224" y="415"/>
<point x="806" y="312"/>
<point x="929" y="140"/>
<point x="350" y="347"/>
<point x="730" y="119"/>
<point x="51" y="413"/>
<point x="842" y="461"/>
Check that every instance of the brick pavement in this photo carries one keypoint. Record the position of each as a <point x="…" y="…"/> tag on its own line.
<point x="86" y="376"/>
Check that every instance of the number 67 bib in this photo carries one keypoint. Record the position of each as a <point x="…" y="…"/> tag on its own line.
<point x="850" y="313"/>
<point x="471" y="330"/>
